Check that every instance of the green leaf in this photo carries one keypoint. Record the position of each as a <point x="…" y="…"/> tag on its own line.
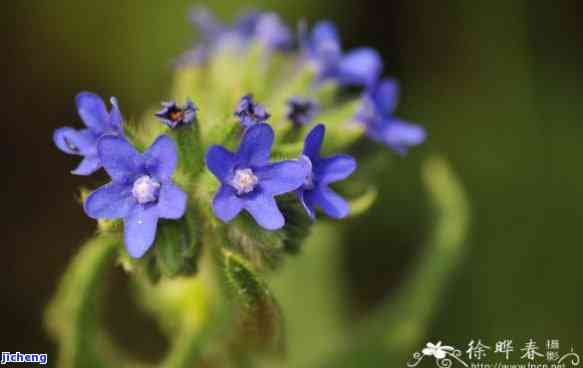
<point x="408" y="316"/>
<point x="189" y="82"/>
<point x="226" y="84"/>
<point x="312" y="298"/>
<point x="265" y="248"/>
<point x="253" y="69"/>
<point x="192" y="311"/>
<point x="400" y="323"/>
<point x="190" y="151"/>
<point x="364" y="202"/>
<point x="260" y="320"/>
<point x="71" y="317"/>
<point x="297" y="224"/>
<point x="177" y="247"/>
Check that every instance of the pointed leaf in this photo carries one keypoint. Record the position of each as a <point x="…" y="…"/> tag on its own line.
<point x="261" y="323"/>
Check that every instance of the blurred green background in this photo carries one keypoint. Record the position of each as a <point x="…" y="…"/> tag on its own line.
<point x="496" y="83"/>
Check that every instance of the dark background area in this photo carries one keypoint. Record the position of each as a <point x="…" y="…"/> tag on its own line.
<point x="496" y="83"/>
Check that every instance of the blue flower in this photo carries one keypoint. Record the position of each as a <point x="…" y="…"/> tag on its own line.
<point x="83" y="142"/>
<point x="359" y="67"/>
<point x="301" y="111"/>
<point x="173" y="115"/>
<point x="379" y="103"/>
<point x="250" y="113"/>
<point x="249" y="181"/>
<point x="141" y="189"/>
<point x="266" y="28"/>
<point x="209" y="28"/>
<point x="321" y="172"/>
<point x="273" y="33"/>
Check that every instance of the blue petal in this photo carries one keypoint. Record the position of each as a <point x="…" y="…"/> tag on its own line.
<point x="171" y="202"/>
<point x="313" y="142"/>
<point x="140" y="229"/>
<point x="111" y="201"/>
<point x="119" y="158"/>
<point x="281" y="177"/>
<point x="87" y="166"/>
<point x="226" y="204"/>
<point x="334" y="168"/>
<point x="256" y="145"/>
<point x="324" y="47"/>
<point x="75" y="142"/>
<point x="207" y="25"/>
<point x="246" y="23"/>
<point x="160" y="158"/>
<point x="264" y="210"/>
<point x="115" y="117"/>
<point x="401" y="135"/>
<point x="220" y="162"/>
<point x="92" y="111"/>
<point x="328" y="201"/>
<point x="308" y="205"/>
<point x="360" y="67"/>
<point x="324" y="31"/>
<point x="247" y="121"/>
<point x="386" y="96"/>
<point x="260" y="113"/>
<point x="271" y="31"/>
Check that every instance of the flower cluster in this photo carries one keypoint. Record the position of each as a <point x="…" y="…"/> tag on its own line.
<point x="363" y="67"/>
<point x="142" y="190"/>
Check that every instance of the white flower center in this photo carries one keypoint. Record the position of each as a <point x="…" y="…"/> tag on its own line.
<point x="145" y="189"/>
<point x="309" y="179"/>
<point x="244" y="181"/>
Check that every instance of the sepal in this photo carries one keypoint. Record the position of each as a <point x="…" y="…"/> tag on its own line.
<point x="177" y="247"/>
<point x="266" y="249"/>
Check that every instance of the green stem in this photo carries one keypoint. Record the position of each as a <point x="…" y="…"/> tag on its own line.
<point x="71" y="316"/>
<point x="206" y="319"/>
<point x="191" y="150"/>
<point x="397" y="326"/>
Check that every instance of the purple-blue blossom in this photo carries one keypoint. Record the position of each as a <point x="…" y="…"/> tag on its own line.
<point x="249" y="181"/>
<point x="252" y="25"/>
<point x="250" y="113"/>
<point x="83" y="142"/>
<point x="376" y="113"/>
<point x="273" y="33"/>
<point x="174" y="116"/>
<point x="302" y="111"/>
<point x="358" y="67"/>
<point x="315" y="191"/>
<point x="140" y="192"/>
